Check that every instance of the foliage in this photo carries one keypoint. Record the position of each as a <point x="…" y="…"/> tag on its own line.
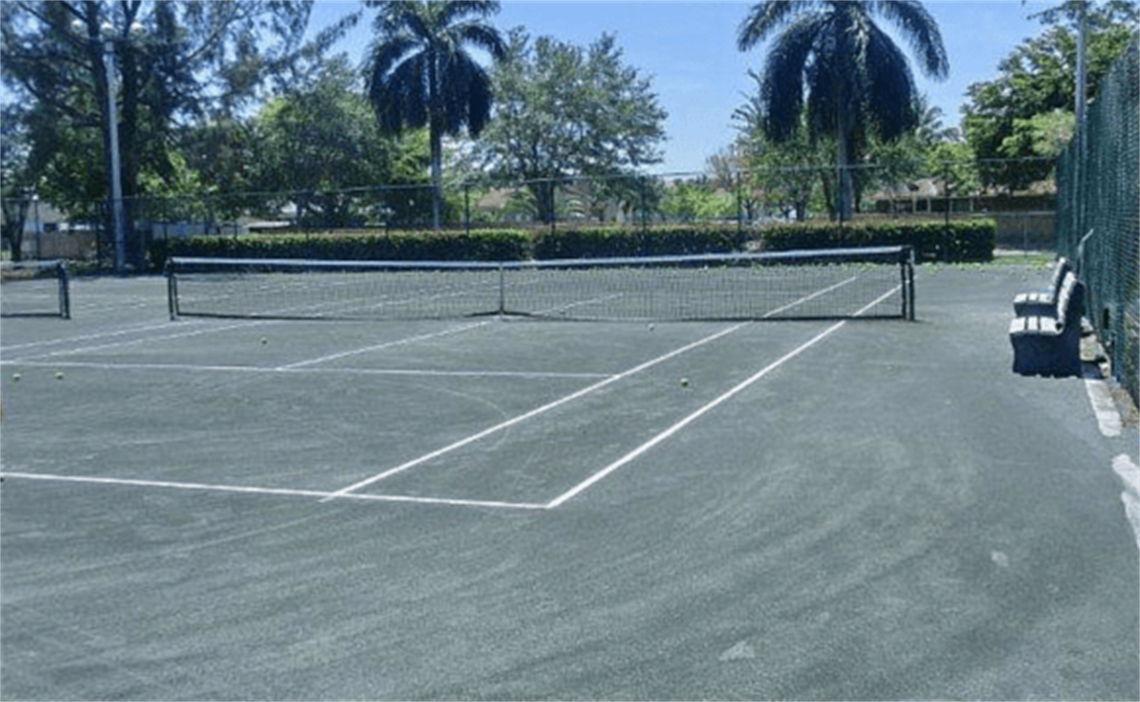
<point x="1045" y="134"/>
<point x="422" y="75"/>
<point x="955" y="163"/>
<point x="933" y="241"/>
<point x="174" y="62"/>
<point x="434" y="245"/>
<point x="1003" y="118"/>
<point x="689" y="201"/>
<point x="565" y="112"/>
<point x="318" y="140"/>
<point x="971" y="240"/>
<point x="15" y="182"/>
<point x="660" y="240"/>
<point x="784" y="175"/>
<point x="854" y="77"/>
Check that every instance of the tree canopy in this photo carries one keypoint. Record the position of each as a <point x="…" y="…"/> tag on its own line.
<point x="564" y="111"/>
<point x="1022" y="112"/>
<point x="175" y="63"/>
<point x="320" y="139"/>
<point x="832" y="61"/>
<point x="422" y="73"/>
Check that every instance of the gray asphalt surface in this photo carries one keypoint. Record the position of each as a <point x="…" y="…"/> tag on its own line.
<point x="888" y="513"/>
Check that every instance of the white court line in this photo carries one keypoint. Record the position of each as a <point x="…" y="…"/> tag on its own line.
<point x="640" y="450"/>
<point x="132" y="342"/>
<point x="347" y="493"/>
<point x="385" y="345"/>
<point x="265" y="491"/>
<point x="1129" y="473"/>
<point x="1107" y="416"/>
<point x="88" y="337"/>
<point x="303" y="371"/>
<point x="585" y="391"/>
<point x="533" y="413"/>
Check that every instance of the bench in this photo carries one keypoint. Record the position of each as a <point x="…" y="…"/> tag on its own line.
<point x="1043" y="303"/>
<point x="1050" y="344"/>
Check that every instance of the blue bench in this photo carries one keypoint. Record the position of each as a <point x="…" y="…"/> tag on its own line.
<point x="1050" y="344"/>
<point x="1043" y="303"/>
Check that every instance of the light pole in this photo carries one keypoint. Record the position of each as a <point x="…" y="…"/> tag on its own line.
<point x="118" y="219"/>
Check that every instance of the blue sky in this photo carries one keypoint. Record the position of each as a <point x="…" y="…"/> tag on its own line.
<point x="689" y="48"/>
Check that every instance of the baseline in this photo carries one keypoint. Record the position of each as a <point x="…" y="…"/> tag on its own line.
<point x="250" y="490"/>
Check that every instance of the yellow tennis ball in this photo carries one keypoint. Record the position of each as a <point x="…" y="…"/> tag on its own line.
<point x="59" y="375"/>
<point x="684" y="382"/>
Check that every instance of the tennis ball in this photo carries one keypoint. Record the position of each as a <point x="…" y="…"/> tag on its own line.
<point x="264" y="340"/>
<point x="684" y="382"/>
<point x="650" y="327"/>
<point x="59" y="375"/>
<point x="16" y="377"/>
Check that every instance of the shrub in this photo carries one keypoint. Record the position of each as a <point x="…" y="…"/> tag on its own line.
<point x="609" y="242"/>
<point x="961" y="241"/>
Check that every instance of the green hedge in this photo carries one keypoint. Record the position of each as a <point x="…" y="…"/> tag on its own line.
<point x="971" y="240"/>
<point x="609" y="242"/>
<point x="483" y="245"/>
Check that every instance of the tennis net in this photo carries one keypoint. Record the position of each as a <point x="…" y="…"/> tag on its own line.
<point x="34" y="289"/>
<point x="840" y="283"/>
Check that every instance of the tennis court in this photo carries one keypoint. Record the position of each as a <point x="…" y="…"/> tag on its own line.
<point x="482" y="507"/>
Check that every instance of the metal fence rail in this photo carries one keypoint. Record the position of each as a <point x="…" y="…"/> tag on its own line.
<point x="1098" y="223"/>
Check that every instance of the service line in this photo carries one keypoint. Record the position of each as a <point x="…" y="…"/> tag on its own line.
<point x="385" y="345"/>
<point x="533" y="413"/>
<point x="640" y="450"/>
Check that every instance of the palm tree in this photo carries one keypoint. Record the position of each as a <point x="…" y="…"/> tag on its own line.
<point x="421" y="73"/>
<point x="855" y="77"/>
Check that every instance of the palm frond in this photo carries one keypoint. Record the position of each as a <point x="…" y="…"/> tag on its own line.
<point x="890" y="91"/>
<point x="482" y="36"/>
<point x="921" y="32"/>
<point x="389" y="53"/>
<point x="454" y="10"/>
<point x="399" y="96"/>
<point x="765" y="18"/>
<point x="782" y="88"/>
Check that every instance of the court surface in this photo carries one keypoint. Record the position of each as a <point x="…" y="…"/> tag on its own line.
<point x="492" y="509"/>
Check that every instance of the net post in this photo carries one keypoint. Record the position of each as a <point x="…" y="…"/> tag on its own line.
<point x="64" y="291"/>
<point x="171" y="289"/>
<point x="908" y="283"/>
<point x="502" y="288"/>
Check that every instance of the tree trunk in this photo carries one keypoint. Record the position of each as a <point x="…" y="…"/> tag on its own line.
<point x="435" y="136"/>
<point x="436" y="175"/>
<point x="846" y="189"/>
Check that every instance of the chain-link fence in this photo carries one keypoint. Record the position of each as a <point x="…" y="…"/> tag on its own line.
<point x="742" y="199"/>
<point x="1098" y="211"/>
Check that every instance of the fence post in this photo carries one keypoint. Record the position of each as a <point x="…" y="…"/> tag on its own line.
<point x="466" y="208"/>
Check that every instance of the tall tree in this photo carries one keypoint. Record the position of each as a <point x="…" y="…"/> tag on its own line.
<point x="13" y="182"/>
<point x="421" y="73"/>
<point x="174" y="62"/>
<point x="321" y="139"/>
<point x="565" y="111"/>
<point x="853" y="75"/>
<point x="1036" y="79"/>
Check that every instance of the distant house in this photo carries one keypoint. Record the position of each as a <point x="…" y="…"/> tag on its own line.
<point x="1025" y="218"/>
